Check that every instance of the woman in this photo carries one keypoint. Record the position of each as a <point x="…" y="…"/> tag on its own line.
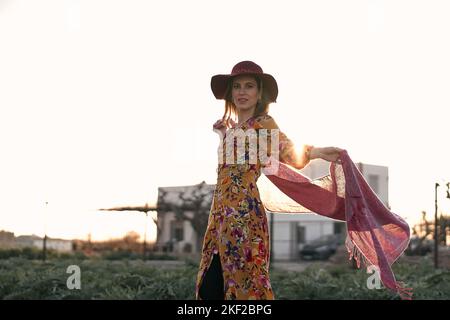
<point x="235" y="254"/>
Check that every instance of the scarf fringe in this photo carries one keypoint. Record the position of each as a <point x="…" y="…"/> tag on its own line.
<point x="356" y="254"/>
<point x="404" y="292"/>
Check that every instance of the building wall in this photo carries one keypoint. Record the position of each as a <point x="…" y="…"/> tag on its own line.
<point x="57" y="245"/>
<point x="189" y="235"/>
<point x="7" y="240"/>
<point x="382" y="174"/>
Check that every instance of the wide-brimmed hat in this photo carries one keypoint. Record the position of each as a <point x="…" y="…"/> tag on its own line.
<point x="220" y="82"/>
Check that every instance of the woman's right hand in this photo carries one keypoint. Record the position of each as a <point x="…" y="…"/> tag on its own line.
<point x="220" y="127"/>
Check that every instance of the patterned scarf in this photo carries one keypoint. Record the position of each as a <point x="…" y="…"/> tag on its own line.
<point x="375" y="235"/>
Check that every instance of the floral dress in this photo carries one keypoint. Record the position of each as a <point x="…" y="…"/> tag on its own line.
<point x="237" y="227"/>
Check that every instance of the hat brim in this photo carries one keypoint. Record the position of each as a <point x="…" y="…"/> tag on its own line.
<point x="220" y="82"/>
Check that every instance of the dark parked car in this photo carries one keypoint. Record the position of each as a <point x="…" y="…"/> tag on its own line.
<point x="419" y="247"/>
<point x="321" y="248"/>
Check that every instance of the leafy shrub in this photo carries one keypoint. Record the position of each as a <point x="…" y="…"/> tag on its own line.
<point x="35" y="254"/>
<point x="23" y="278"/>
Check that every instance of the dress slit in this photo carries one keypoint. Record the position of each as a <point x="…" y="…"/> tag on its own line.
<point x="212" y="287"/>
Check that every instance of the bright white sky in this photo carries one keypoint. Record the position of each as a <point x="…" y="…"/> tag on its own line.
<point x="101" y="102"/>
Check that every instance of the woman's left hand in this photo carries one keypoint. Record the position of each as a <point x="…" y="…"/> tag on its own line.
<point x="329" y="154"/>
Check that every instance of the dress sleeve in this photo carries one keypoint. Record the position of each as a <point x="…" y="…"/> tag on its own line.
<point x="288" y="152"/>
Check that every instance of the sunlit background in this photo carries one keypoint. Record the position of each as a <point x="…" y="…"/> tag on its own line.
<point x="102" y="102"/>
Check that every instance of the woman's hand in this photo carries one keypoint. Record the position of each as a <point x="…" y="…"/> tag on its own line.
<point x="220" y="126"/>
<point x="327" y="153"/>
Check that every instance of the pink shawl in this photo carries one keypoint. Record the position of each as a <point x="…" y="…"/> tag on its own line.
<point x="375" y="235"/>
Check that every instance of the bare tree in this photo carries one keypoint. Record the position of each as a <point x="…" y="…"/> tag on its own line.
<point x="425" y="230"/>
<point x="192" y="205"/>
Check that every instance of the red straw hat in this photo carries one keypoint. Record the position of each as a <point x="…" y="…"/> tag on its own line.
<point x="219" y="82"/>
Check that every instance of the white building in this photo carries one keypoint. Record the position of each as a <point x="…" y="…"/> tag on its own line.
<point x="178" y="235"/>
<point x="291" y="231"/>
<point x="59" y="245"/>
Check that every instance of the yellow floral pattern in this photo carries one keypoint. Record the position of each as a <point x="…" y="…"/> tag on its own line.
<point x="237" y="226"/>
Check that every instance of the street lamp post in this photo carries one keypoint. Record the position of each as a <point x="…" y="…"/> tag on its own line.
<point x="436" y="233"/>
<point x="44" y="242"/>
<point x="448" y="197"/>
<point x="145" y="234"/>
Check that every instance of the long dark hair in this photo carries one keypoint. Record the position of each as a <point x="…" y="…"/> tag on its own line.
<point x="262" y="106"/>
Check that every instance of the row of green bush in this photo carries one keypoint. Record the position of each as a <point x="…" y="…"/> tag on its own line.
<point x="134" y="279"/>
<point x="36" y="254"/>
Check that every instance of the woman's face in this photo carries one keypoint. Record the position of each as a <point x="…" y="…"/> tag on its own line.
<point x="244" y="92"/>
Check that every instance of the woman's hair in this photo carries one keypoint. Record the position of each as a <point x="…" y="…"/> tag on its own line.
<point x="262" y="106"/>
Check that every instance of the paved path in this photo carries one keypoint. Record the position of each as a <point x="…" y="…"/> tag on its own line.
<point x="297" y="266"/>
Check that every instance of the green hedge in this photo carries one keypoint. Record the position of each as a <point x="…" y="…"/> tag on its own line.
<point x="36" y="254"/>
<point x="22" y="278"/>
